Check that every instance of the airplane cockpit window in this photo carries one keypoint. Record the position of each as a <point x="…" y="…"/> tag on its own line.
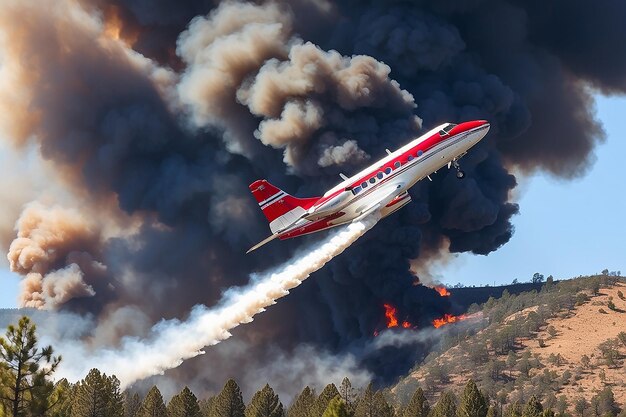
<point x="446" y="130"/>
<point x="380" y="175"/>
<point x="388" y="170"/>
<point x="356" y="190"/>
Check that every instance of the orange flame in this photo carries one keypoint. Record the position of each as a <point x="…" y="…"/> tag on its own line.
<point x="447" y="319"/>
<point x="443" y="291"/>
<point x="390" y="313"/>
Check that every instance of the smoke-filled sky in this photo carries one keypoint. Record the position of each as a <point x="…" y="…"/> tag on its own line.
<point x="541" y="223"/>
<point x="133" y="129"/>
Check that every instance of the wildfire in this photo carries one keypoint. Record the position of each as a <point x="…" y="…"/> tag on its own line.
<point x="443" y="291"/>
<point x="447" y="319"/>
<point x="391" y="314"/>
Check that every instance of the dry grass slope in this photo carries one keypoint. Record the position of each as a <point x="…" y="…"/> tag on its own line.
<point x="574" y="351"/>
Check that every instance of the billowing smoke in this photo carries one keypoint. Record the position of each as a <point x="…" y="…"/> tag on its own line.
<point x="158" y="116"/>
<point x="54" y="250"/>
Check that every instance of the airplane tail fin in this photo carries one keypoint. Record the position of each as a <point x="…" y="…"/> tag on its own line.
<point x="280" y="208"/>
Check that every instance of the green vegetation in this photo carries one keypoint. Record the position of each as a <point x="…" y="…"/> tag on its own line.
<point x="25" y="369"/>
<point x="265" y="403"/>
<point x="501" y="378"/>
<point x="496" y="356"/>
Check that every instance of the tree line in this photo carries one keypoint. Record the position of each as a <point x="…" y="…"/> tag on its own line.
<point x="27" y="390"/>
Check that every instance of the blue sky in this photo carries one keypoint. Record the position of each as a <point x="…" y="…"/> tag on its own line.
<point x="565" y="228"/>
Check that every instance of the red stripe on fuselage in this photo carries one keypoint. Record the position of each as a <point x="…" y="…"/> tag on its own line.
<point x="424" y="146"/>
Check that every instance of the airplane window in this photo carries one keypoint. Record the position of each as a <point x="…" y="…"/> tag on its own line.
<point x="357" y="189"/>
<point x="388" y="170"/>
<point x="373" y="180"/>
<point x="448" y="128"/>
<point x="420" y="153"/>
<point x="380" y="175"/>
<point x="364" y="184"/>
<point x="410" y="157"/>
<point x="397" y="164"/>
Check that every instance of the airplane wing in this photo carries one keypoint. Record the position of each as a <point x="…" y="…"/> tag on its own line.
<point x="263" y="242"/>
<point x="378" y="199"/>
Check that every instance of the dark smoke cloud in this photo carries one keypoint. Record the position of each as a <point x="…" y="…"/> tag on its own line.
<point x="174" y="119"/>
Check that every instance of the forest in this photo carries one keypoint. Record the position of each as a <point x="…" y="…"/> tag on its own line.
<point x="28" y="386"/>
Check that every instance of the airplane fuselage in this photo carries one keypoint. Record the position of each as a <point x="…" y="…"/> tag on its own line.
<point x="381" y="186"/>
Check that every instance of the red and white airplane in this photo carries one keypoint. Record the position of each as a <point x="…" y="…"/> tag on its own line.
<point x="380" y="187"/>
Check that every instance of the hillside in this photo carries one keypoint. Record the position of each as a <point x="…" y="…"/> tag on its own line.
<point x="462" y="298"/>
<point x="561" y="344"/>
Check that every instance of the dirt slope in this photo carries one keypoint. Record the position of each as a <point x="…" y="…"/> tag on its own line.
<point x="578" y="333"/>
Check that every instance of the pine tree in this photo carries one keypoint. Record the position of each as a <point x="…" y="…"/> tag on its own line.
<point x="446" y="406"/>
<point x="26" y="381"/>
<point x="265" y="403"/>
<point x="604" y="402"/>
<point x="303" y="405"/>
<point x="473" y="403"/>
<point x="98" y="395"/>
<point x="533" y="408"/>
<point x="61" y="399"/>
<point x="381" y="406"/>
<point x="336" y="408"/>
<point x="229" y="402"/>
<point x="418" y="406"/>
<point x="153" y="405"/>
<point x="184" y="404"/>
<point x="348" y="394"/>
<point x="491" y="412"/>
<point x="206" y="406"/>
<point x="132" y="402"/>
<point x="321" y="403"/>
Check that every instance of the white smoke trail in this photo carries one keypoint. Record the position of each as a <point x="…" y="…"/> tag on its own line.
<point x="173" y="341"/>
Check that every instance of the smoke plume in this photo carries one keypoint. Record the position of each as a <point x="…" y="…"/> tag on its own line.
<point x="155" y="117"/>
<point x="53" y="250"/>
<point x="174" y="341"/>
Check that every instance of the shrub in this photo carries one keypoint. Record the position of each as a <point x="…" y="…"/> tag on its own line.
<point x="552" y="331"/>
<point x="581" y="298"/>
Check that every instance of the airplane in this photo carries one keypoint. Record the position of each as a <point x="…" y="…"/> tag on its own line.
<point x="380" y="187"/>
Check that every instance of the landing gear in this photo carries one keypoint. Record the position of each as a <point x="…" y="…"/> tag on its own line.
<point x="460" y="174"/>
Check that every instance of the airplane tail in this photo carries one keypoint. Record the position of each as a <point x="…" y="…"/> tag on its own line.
<point x="280" y="208"/>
